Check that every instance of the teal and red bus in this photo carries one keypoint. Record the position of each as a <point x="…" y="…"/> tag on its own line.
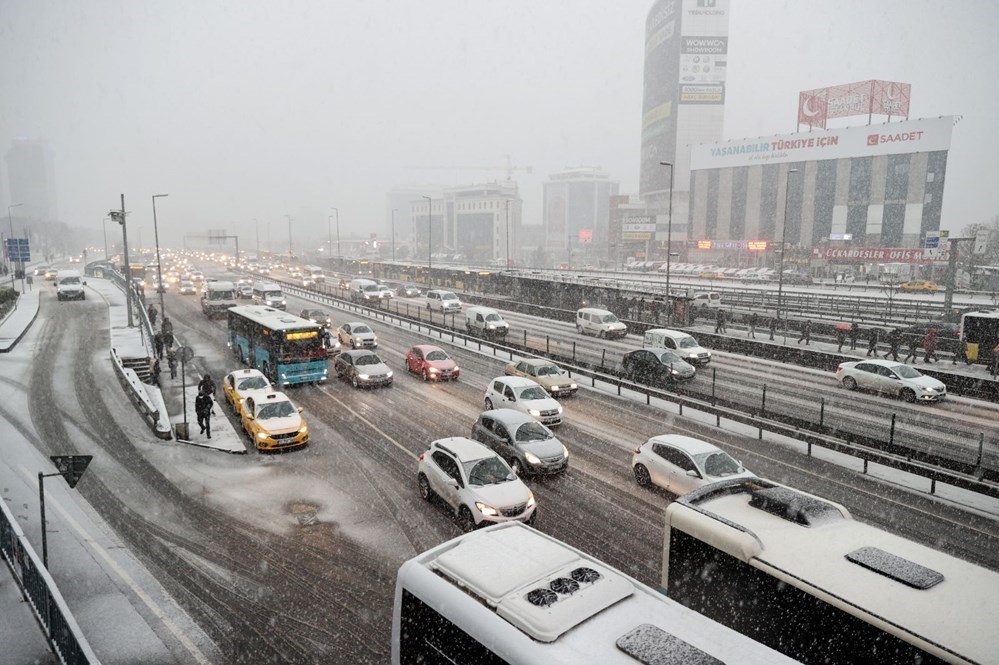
<point x="289" y="350"/>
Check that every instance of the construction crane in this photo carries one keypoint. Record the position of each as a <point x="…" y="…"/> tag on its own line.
<point x="509" y="168"/>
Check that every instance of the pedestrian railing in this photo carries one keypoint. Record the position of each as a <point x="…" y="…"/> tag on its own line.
<point x="40" y="591"/>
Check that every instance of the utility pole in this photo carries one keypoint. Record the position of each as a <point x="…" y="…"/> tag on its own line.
<point x="394" y="210"/>
<point x="289" y="237"/>
<point x="952" y="276"/>
<point x="508" y="233"/>
<point x="430" y="244"/>
<point x="783" y="242"/>
<point x="159" y="265"/>
<point x="119" y="216"/>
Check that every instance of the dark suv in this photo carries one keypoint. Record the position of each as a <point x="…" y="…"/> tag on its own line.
<point x="526" y="445"/>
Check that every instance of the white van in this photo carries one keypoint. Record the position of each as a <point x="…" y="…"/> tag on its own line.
<point x="364" y="290"/>
<point x="217" y="297"/>
<point x="485" y="321"/>
<point x="599" y="322"/>
<point x="684" y="345"/>
<point x="706" y="299"/>
<point x="69" y="285"/>
<point x="443" y="301"/>
<point x="267" y="293"/>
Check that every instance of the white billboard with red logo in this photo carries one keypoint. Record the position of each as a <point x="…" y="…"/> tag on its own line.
<point x="923" y="135"/>
<point x="868" y="98"/>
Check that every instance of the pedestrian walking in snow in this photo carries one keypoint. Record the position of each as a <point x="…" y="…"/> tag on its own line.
<point x="152" y="315"/>
<point x="720" y="322"/>
<point x="840" y="339"/>
<point x="806" y="333"/>
<point x="854" y="334"/>
<point x="154" y="369"/>
<point x="207" y="385"/>
<point x="913" y="349"/>
<point x="158" y="344"/>
<point x="754" y="320"/>
<point x="773" y="327"/>
<point x="168" y="341"/>
<point x="172" y="363"/>
<point x="203" y="408"/>
<point x="167" y="325"/>
<point x="894" y="341"/>
<point x="930" y="346"/>
<point x="872" y="342"/>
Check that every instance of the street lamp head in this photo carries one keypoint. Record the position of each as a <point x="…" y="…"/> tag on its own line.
<point x="159" y="196"/>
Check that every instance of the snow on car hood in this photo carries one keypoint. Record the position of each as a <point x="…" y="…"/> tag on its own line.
<point x="502" y="495"/>
<point x="280" y="425"/>
<point x="925" y="382"/>
<point x="544" y="404"/>
<point x="543" y="449"/>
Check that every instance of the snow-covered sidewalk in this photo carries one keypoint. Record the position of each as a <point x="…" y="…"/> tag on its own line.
<point x="17" y="322"/>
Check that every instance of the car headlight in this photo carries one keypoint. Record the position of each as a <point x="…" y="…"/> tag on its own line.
<point x="534" y="412"/>
<point x="389" y="375"/>
<point x="573" y="386"/>
<point x="556" y="388"/>
<point x="675" y="372"/>
<point x="362" y="376"/>
<point x="492" y="327"/>
<point x="374" y="338"/>
<point x="262" y="435"/>
<point x="455" y="369"/>
<point x="486" y="509"/>
<point x="531" y="502"/>
<point x="532" y="458"/>
<point x="565" y="451"/>
<point x="560" y="409"/>
<point x="433" y="370"/>
<point x="304" y="429"/>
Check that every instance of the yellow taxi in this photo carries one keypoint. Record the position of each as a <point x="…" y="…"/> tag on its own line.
<point x="243" y="383"/>
<point x="273" y="422"/>
<point x="919" y="286"/>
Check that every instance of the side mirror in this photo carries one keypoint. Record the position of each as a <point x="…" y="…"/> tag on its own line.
<point x="693" y="473"/>
<point x="84" y="282"/>
<point x="300" y="409"/>
<point x="452" y="482"/>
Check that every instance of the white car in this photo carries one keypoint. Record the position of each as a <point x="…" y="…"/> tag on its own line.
<point x="187" y="288"/>
<point x="357" y="335"/>
<point x="475" y="483"/>
<point x="525" y="395"/>
<point x="681" y="464"/>
<point x="893" y="378"/>
<point x="443" y="301"/>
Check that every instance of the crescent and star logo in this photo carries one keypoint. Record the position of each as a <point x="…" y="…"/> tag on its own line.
<point x="806" y="108"/>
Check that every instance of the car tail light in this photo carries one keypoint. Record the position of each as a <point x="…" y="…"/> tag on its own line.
<point x="421" y="457"/>
<point x="839" y="369"/>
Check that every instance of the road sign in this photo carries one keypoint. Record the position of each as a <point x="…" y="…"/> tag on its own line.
<point x="186" y="354"/>
<point x="982" y="241"/>
<point x="18" y="250"/>
<point x="71" y="466"/>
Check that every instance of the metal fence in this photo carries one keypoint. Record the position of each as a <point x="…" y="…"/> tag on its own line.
<point x="38" y="588"/>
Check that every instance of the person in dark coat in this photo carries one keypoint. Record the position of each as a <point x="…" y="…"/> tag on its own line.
<point x="720" y="322"/>
<point x="913" y="350"/>
<point x="894" y="342"/>
<point x="961" y="354"/>
<point x="206" y="385"/>
<point x="152" y="315"/>
<point x="806" y="333"/>
<point x="930" y="346"/>
<point x="167" y="325"/>
<point x="167" y="341"/>
<point x="158" y="344"/>
<point x="840" y="339"/>
<point x="854" y="334"/>
<point x="754" y="320"/>
<point x="172" y="363"/>
<point x="872" y="342"/>
<point x="773" y="327"/>
<point x="203" y="408"/>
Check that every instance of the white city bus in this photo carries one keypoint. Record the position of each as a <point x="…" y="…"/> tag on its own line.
<point x="798" y="573"/>
<point x="509" y="594"/>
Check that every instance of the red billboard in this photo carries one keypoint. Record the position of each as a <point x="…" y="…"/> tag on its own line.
<point x="888" y="98"/>
<point x="880" y="255"/>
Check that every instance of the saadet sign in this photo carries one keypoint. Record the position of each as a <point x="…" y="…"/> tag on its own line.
<point x="924" y="135"/>
<point x="879" y="255"/>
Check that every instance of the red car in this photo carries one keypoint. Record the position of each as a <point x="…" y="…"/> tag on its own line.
<point x="431" y="362"/>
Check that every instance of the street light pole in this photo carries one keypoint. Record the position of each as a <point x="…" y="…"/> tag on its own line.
<point x="10" y="220"/>
<point x="783" y="241"/>
<point x="329" y="234"/>
<point x="104" y="223"/>
<point x="394" y="210"/>
<point x="430" y="244"/>
<point x="159" y="266"/>
<point x="669" y="243"/>
<point x="339" y="256"/>
<point x="119" y="216"/>
<point x="508" y="233"/>
<point x="289" y="237"/>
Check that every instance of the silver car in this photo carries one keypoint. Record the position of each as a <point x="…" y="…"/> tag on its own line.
<point x="681" y="464"/>
<point x="526" y="445"/>
<point x="892" y="378"/>
<point x="362" y="368"/>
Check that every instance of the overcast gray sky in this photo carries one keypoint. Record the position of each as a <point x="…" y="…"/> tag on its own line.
<point x="245" y="109"/>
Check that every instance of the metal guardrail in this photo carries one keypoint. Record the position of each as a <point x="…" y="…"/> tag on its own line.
<point x="813" y="434"/>
<point x="40" y="590"/>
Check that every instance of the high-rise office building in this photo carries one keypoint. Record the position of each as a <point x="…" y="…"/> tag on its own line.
<point x="31" y="179"/>
<point x="576" y="212"/>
